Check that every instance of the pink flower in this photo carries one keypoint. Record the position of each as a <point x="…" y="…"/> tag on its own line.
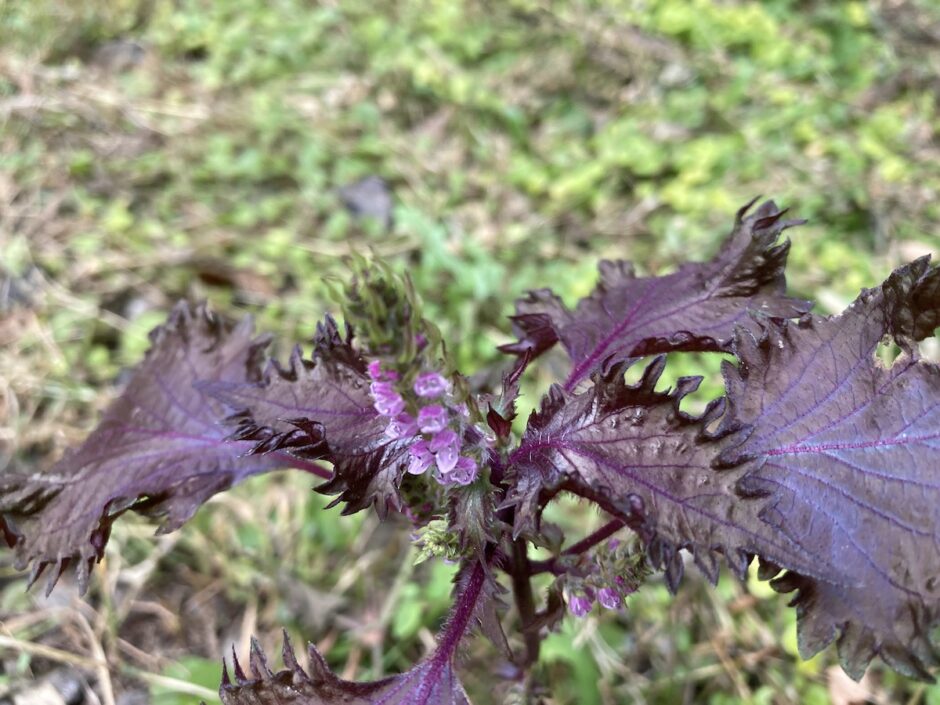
<point x="444" y="439"/>
<point x="382" y="389"/>
<point x="431" y="384"/>
<point x="609" y="598"/>
<point x="402" y="426"/>
<point x="421" y="458"/>
<point x="388" y="402"/>
<point x="580" y="605"/>
<point x="376" y="372"/>
<point x="446" y="459"/>
<point x="464" y="472"/>
<point x="432" y="419"/>
<point x="390" y="405"/>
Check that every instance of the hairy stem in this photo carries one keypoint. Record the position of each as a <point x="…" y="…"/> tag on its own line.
<point x="460" y="616"/>
<point x="525" y="603"/>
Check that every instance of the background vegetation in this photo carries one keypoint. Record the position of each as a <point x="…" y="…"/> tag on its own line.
<point x="152" y="150"/>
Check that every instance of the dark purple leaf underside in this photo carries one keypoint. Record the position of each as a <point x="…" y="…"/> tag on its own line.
<point x="159" y="449"/>
<point x="434" y="681"/>
<point x="693" y="309"/>
<point x="322" y="409"/>
<point x="846" y="455"/>
<point x="630" y="449"/>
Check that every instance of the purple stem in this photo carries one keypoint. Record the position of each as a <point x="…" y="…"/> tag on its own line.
<point x="588" y="542"/>
<point x="459" y="620"/>
<point x="591" y="540"/>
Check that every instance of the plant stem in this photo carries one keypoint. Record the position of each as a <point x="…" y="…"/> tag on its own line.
<point x="591" y="540"/>
<point x="459" y="620"/>
<point x="525" y="603"/>
<point x="585" y="544"/>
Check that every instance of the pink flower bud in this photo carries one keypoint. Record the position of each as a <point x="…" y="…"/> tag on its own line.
<point x="625" y="588"/>
<point x="580" y="605"/>
<point x="609" y="598"/>
<point x="431" y="384"/>
<point x="432" y="419"/>
<point x="420" y="457"/>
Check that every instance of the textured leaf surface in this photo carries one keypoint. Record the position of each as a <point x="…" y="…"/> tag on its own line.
<point x="630" y="449"/>
<point x="846" y="454"/>
<point x="159" y="449"/>
<point x="695" y="308"/>
<point x="434" y="681"/>
<point x="322" y="408"/>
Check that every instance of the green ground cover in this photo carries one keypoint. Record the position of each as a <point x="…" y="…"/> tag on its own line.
<point x="154" y="150"/>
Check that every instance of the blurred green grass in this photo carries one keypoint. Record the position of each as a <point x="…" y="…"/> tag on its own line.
<point x="151" y="150"/>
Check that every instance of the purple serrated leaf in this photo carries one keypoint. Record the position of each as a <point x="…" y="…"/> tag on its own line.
<point x="632" y="451"/>
<point x="323" y="409"/>
<point x="434" y="681"/>
<point x="694" y="309"/>
<point x="159" y="449"/>
<point x="844" y="456"/>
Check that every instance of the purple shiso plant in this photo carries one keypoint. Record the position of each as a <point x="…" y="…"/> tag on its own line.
<point x="821" y="461"/>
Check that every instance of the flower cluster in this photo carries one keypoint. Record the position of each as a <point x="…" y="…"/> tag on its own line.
<point x="434" y="429"/>
<point x="581" y="602"/>
<point x="615" y="574"/>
